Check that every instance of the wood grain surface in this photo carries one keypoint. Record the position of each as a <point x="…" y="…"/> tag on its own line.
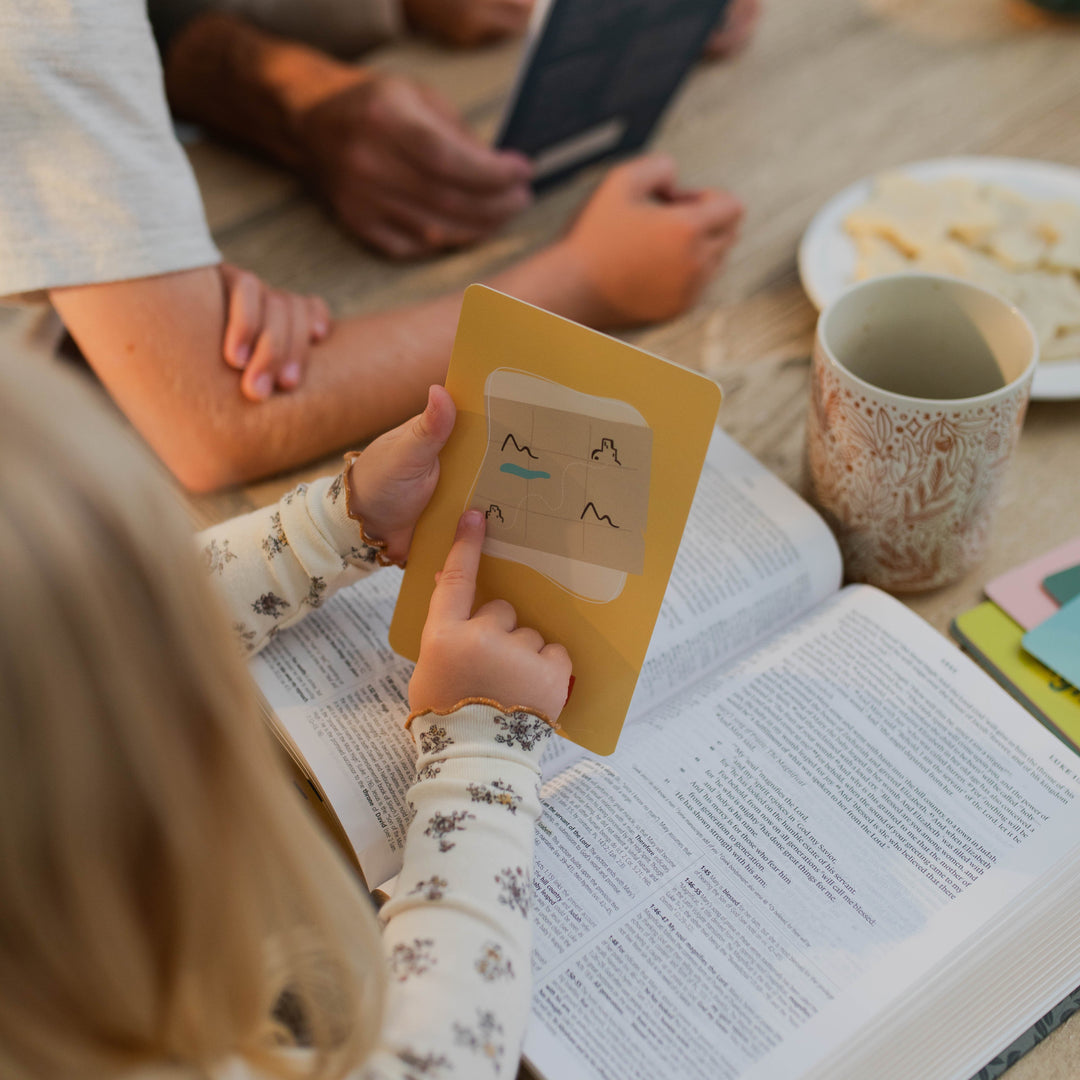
<point x="827" y="92"/>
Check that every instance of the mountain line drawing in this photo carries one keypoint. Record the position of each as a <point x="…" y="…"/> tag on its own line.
<point x="520" y="449"/>
<point x="590" y="505"/>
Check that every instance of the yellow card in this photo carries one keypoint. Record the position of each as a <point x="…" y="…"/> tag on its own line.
<point x="994" y="640"/>
<point x="584" y="454"/>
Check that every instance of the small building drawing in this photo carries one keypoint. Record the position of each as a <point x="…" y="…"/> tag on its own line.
<point x="607" y="452"/>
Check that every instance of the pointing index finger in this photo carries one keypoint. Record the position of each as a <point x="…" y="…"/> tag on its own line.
<point x="455" y="589"/>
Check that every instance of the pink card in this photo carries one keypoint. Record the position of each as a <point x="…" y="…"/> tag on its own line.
<point x="1019" y="591"/>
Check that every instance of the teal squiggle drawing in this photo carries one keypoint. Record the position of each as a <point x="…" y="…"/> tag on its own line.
<point x="525" y="474"/>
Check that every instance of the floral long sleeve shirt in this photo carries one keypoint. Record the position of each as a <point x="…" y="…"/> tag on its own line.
<point x="457" y="936"/>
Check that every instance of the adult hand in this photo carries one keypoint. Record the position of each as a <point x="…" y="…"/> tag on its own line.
<point x="646" y="248"/>
<point x="268" y="332"/>
<point x="736" y="27"/>
<point x="402" y="172"/>
<point x="469" y="22"/>
<point x="391" y="482"/>
<point x="486" y="655"/>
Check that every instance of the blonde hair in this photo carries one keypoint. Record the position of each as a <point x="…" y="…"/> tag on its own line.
<point x="161" y="887"/>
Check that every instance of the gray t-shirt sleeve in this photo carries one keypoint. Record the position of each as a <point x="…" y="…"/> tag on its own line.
<point x="94" y="186"/>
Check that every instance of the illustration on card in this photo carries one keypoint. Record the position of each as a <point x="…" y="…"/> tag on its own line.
<point x="564" y="483"/>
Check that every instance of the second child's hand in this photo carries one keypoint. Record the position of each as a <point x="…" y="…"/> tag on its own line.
<point x="268" y="332"/>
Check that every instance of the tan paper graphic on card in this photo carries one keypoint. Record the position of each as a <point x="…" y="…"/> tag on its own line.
<point x="564" y="483"/>
<point x="584" y="453"/>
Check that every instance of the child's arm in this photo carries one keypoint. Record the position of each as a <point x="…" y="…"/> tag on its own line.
<point x="274" y="565"/>
<point x="458" y="937"/>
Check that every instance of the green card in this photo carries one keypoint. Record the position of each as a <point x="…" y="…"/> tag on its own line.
<point x="1064" y="585"/>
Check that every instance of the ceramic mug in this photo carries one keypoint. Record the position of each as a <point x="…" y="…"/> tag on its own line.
<point x="919" y="385"/>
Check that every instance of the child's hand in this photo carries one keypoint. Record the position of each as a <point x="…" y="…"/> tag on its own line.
<point x="391" y="482"/>
<point x="646" y="248"/>
<point x="486" y="655"/>
<point x="268" y="332"/>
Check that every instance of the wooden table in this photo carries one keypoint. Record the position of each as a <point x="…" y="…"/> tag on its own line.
<point x="828" y="92"/>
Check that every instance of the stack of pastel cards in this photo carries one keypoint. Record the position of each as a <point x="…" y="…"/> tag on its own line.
<point x="1056" y="640"/>
<point x="1027" y="635"/>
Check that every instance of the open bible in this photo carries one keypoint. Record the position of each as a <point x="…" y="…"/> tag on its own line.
<point x="827" y="844"/>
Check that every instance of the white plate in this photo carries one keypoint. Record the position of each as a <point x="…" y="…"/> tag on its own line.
<point x="827" y="255"/>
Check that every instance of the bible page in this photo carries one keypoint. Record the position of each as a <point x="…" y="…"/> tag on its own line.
<point x="753" y="557"/>
<point x="756" y="874"/>
<point x="341" y="694"/>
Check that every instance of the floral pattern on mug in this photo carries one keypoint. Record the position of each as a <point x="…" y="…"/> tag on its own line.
<point x="908" y="490"/>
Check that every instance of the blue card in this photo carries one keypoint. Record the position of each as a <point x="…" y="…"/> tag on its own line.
<point x="1056" y="642"/>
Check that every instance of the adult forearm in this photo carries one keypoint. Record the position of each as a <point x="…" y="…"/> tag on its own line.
<point x="558" y="278"/>
<point x="371" y="374"/>
<point x="374" y="372"/>
<point x="156" y="344"/>
<point x="240" y="81"/>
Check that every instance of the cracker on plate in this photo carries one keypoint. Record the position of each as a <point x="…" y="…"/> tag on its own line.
<point x="1026" y="250"/>
<point x="913" y="215"/>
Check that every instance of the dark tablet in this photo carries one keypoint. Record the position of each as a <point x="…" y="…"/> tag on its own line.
<point x="597" y="75"/>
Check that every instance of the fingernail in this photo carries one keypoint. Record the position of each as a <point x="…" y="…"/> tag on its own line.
<point x="569" y="690"/>
<point x="291" y="375"/>
<point x="241" y="355"/>
<point x="321" y="329"/>
<point x="469" y="522"/>
<point x="263" y="386"/>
